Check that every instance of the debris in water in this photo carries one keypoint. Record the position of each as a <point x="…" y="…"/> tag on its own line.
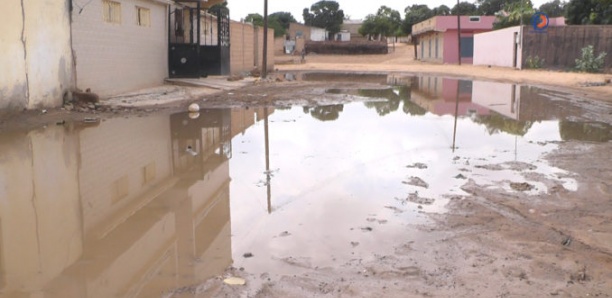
<point x="417" y="165"/>
<point x="416" y="181"/>
<point x="194" y="108"/>
<point x="367" y="229"/>
<point x="460" y="176"/>
<point x="521" y="186"/>
<point x="234" y="281"/>
<point x="248" y="255"/>
<point x="190" y="151"/>
<point x="354" y="244"/>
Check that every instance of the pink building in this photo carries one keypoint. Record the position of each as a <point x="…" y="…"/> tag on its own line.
<point x="437" y="37"/>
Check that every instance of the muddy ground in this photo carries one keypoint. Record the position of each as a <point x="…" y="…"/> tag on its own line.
<point x="491" y="243"/>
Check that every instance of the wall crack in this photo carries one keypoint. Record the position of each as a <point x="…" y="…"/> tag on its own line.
<point x="25" y="54"/>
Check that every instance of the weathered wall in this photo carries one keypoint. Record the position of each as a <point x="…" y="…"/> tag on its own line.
<point x="35" y="53"/>
<point x="561" y="46"/>
<point x="497" y="48"/>
<point x="115" y="58"/>
<point x="246" y="50"/>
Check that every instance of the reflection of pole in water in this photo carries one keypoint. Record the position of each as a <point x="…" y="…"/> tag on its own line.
<point x="456" y="115"/>
<point x="267" y="141"/>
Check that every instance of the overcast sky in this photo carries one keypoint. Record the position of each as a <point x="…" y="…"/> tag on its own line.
<point x="356" y="9"/>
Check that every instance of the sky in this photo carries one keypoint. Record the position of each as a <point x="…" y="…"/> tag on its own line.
<point x="356" y="9"/>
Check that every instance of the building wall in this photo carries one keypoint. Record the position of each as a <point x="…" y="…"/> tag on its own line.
<point x="496" y="48"/>
<point x="505" y="101"/>
<point x="35" y="54"/>
<point x="258" y="41"/>
<point x="242" y="48"/>
<point x="299" y="31"/>
<point x="115" y="58"/>
<point x="428" y="47"/>
<point x="451" y="55"/>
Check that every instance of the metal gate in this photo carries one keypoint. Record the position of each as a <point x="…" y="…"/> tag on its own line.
<point x="190" y="55"/>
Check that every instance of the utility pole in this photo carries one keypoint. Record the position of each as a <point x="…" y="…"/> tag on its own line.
<point x="458" y="33"/>
<point x="264" y="67"/>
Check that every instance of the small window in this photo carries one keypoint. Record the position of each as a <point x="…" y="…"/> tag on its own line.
<point x="111" y="11"/>
<point x="475" y="19"/>
<point x="143" y="16"/>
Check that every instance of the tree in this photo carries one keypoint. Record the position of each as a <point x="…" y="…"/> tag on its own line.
<point x="582" y="12"/>
<point x="513" y="15"/>
<point x="254" y="18"/>
<point x="492" y="7"/>
<point x="413" y="15"/>
<point x="324" y="14"/>
<point x="280" y="22"/>
<point x="553" y="8"/>
<point x="441" y="10"/>
<point x="385" y="23"/>
<point x="217" y="6"/>
<point x="465" y="9"/>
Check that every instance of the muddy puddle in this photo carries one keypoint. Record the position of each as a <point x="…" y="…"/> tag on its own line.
<point x="146" y="207"/>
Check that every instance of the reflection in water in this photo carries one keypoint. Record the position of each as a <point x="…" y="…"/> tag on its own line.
<point x="139" y="207"/>
<point x="134" y="215"/>
<point x="325" y="113"/>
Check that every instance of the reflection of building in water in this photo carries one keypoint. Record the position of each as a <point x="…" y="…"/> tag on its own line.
<point x="134" y="214"/>
<point x="439" y="96"/>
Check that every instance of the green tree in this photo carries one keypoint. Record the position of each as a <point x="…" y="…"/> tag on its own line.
<point x="514" y="13"/>
<point x="441" y="10"/>
<point x="385" y="23"/>
<point x="492" y="7"/>
<point x="465" y="9"/>
<point x="413" y="15"/>
<point x="217" y="6"/>
<point x="324" y="14"/>
<point x="280" y="22"/>
<point x="553" y="8"/>
<point x="254" y="18"/>
<point x="582" y="12"/>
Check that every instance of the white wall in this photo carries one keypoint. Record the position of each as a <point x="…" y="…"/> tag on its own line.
<point x="506" y="99"/>
<point x="496" y="48"/>
<point x="318" y="34"/>
<point x="35" y="53"/>
<point x="116" y="58"/>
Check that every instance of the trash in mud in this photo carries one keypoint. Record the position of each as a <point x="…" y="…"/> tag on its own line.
<point x="91" y="120"/>
<point x="521" y="186"/>
<point x="414" y="198"/>
<point x="234" y="281"/>
<point x="417" y="165"/>
<point x="416" y="181"/>
<point x="567" y="241"/>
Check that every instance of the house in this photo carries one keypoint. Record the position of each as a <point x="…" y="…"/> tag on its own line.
<point x="343" y="36"/>
<point x="297" y="36"/>
<point x="352" y="27"/>
<point x="438" y="42"/>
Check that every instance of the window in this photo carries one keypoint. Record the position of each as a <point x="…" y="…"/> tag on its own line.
<point x="475" y="19"/>
<point x="143" y="16"/>
<point x="111" y="11"/>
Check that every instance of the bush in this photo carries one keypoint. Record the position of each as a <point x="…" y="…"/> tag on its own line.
<point x="534" y="62"/>
<point x="588" y="62"/>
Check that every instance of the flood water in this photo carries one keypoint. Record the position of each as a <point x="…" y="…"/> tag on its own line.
<point x="140" y="207"/>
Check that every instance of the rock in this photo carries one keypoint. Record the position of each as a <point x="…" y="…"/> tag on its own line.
<point x="521" y="186"/>
<point x="417" y="165"/>
<point x="234" y="281"/>
<point x="248" y="255"/>
<point x="194" y="108"/>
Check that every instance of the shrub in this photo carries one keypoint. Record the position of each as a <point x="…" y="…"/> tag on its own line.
<point x="347" y="48"/>
<point x="535" y="62"/>
<point x="588" y="62"/>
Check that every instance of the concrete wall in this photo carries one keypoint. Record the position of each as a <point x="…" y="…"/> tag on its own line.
<point x="428" y="52"/>
<point x="35" y="53"/>
<point x="116" y="58"/>
<point x="246" y="47"/>
<point x="497" y="48"/>
<point x="505" y="101"/>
